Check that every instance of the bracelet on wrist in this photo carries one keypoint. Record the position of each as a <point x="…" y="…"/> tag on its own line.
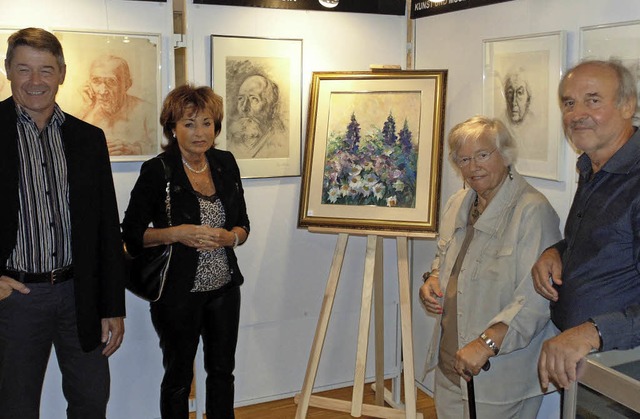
<point x="236" y="239"/>
<point x="490" y="343"/>
<point x="593" y="322"/>
<point x="428" y="274"/>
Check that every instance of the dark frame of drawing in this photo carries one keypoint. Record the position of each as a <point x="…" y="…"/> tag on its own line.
<point x="260" y="81"/>
<point x="619" y="41"/>
<point x="113" y="81"/>
<point x="373" y="153"/>
<point x="521" y="76"/>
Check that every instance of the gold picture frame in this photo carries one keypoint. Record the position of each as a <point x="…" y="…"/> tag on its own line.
<point x="373" y="155"/>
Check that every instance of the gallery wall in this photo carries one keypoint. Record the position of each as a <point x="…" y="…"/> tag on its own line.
<point x="455" y="41"/>
<point x="286" y="268"/>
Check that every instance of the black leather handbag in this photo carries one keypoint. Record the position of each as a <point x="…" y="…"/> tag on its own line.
<point x="148" y="270"/>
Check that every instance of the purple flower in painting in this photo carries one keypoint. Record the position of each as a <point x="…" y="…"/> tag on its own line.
<point x="375" y="168"/>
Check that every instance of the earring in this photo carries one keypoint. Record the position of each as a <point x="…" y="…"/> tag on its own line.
<point x="174" y="135"/>
<point x="510" y="174"/>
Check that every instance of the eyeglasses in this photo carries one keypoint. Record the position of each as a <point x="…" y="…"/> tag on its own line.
<point x="480" y="157"/>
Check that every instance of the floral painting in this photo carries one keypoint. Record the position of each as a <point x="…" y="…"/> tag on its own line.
<point x="375" y="163"/>
<point x="373" y="154"/>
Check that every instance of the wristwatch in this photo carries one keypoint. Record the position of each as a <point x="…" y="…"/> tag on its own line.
<point x="490" y="343"/>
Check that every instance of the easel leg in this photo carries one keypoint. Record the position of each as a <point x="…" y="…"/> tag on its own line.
<point x="405" y="318"/>
<point x="378" y="307"/>
<point x="323" y="322"/>
<point x="365" y="320"/>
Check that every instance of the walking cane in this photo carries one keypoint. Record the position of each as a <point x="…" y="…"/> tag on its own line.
<point x="471" y="393"/>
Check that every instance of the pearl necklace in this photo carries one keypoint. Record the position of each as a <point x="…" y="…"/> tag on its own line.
<point x="206" y="165"/>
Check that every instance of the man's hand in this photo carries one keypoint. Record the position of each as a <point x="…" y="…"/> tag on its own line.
<point x="112" y="334"/>
<point x="560" y="355"/>
<point x="8" y="285"/>
<point x="546" y="270"/>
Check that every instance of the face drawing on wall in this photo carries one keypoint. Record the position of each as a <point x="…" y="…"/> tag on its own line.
<point x="256" y="129"/>
<point x="109" y="81"/>
<point x="518" y="98"/>
<point x="124" y="118"/>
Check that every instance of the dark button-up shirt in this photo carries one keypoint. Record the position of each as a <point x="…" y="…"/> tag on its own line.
<point x="601" y="249"/>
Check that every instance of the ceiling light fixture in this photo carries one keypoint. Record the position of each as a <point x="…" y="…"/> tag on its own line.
<point x="330" y="4"/>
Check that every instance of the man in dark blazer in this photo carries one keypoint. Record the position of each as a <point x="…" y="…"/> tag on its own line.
<point x="61" y="262"/>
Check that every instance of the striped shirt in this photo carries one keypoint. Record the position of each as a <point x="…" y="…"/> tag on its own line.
<point x="44" y="224"/>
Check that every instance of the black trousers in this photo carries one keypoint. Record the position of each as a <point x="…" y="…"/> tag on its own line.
<point x="29" y="325"/>
<point x="215" y="316"/>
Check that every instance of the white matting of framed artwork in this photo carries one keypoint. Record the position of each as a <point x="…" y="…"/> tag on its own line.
<point x="619" y="41"/>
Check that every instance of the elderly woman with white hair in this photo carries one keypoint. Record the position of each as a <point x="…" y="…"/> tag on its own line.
<point x="479" y="286"/>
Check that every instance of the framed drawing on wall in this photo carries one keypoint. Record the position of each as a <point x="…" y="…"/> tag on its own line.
<point x="113" y="81"/>
<point x="5" y="85"/>
<point x="373" y="152"/>
<point x="521" y="76"/>
<point x="620" y="41"/>
<point x="260" y="80"/>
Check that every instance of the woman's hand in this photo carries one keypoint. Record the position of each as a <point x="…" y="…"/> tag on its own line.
<point x="430" y="293"/>
<point x="204" y="237"/>
<point x="471" y="358"/>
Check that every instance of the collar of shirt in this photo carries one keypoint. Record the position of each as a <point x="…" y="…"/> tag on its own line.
<point x="621" y="162"/>
<point x="493" y="219"/>
<point x="56" y="120"/>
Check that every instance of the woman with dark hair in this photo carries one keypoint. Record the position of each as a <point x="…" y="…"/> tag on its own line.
<point x="209" y="219"/>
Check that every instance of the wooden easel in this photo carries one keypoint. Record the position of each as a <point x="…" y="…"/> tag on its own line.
<point x="372" y="285"/>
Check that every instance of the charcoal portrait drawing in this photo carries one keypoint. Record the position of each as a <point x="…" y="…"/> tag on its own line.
<point x="257" y="103"/>
<point x="523" y="84"/>
<point x="372" y="150"/>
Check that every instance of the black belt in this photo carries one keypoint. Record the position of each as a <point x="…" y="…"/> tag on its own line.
<point x="54" y="277"/>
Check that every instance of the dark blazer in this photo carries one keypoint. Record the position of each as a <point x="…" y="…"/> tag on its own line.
<point x="98" y="262"/>
<point x="147" y="205"/>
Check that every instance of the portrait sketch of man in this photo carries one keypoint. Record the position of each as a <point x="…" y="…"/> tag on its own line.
<point x="523" y="84"/>
<point x="114" y="86"/>
<point x="257" y="106"/>
<point x="123" y="117"/>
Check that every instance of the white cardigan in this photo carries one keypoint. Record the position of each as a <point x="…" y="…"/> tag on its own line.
<point x="495" y="285"/>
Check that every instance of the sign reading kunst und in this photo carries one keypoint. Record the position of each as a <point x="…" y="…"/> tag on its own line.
<point x="423" y="8"/>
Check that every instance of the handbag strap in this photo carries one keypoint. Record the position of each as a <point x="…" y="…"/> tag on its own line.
<point x="167" y="200"/>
